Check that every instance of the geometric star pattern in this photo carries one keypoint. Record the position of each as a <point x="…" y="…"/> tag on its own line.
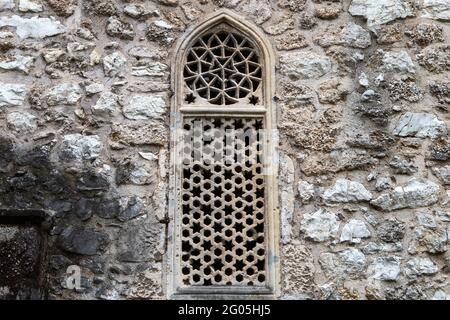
<point x="222" y="204"/>
<point x="223" y="68"/>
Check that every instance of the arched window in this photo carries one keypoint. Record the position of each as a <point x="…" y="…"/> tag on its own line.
<point x="223" y="193"/>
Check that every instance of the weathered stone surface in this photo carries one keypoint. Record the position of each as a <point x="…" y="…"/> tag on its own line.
<point x="34" y="27"/>
<point x="95" y="179"/>
<point x="108" y="208"/>
<point x="430" y="240"/>
<point x="138" y="11"/>
<point x="304" y="65"/>
<point x="398" y="61"/>
<point x="424" y="34"/>
<point x="336" y="161"/>
<point x="391" y="230"/>
<point x="63" y="8"/>
<point x="141" y="240"/>
<point x="348" y="264"/>
<point x="443" y="173"/>
<point x="145" y="107"/>
<point x="30" y="6"/>
<point x="106" y="105"/>
<point x="120" y="29"/>
<point x="385" y="268"/>
<point x="21" y="122"/>
<point x="351" y="35"/>
<point x="7" y="5"/>
<point x="439" y="150"/>
<point x="84" y="208"/>
<point x="299" y="270"/>
<point x="133" y="207"/>
<point x="65" y="93"/>
<point x="83" y="241"/>
<point x="404" y="89"/>
<point x="280" y="27"/>
<point x="420" y="266"/>
<point x="136" y="172"/>
<point x="415" y="194"/>
<point x="320" y="226"/>
<point x="436" y="9"/>
<point x="113" y="64"/>
<point x="12" y="94"/>
<point x="161" y="31"/>
<point x="426" y="220"/>
<point x="328" y="12"/>
<point x="380" y="12"/>
<point x="146" y="285"/>
<point x="435" y="59"/>
<point x="151" y="69"/>
<point x="291" y="40"/>
<point x="94" y="88"/>
<point x="377" y="248"/>
<point x="345" y="191"/>
<point x="402" y="165"/>
<point x="154" y="133"/>
<point x="17" y="63"/>
<point x="21" y="262"/>
<point x="306" y="191"/>
<point x="76" y="147"/>
<point x="293" y="92"/>
<point x="354" y="230"/>
<point x="441" y="90"/>
<point x="421" y="125"/>
<point x="333" y="90"/>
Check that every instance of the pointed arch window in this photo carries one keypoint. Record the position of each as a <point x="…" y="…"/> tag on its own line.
<point x="224" y="221"/>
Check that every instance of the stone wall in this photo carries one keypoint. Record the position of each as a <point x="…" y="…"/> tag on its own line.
<point x="363" y="92"/>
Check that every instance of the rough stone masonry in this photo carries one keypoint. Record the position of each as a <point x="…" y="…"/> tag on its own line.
<point x="363" y="101"/>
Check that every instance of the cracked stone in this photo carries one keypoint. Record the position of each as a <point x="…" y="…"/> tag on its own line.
<point x="21" y="122"/>
<point x="83" y="241"/>
<point x="415" y="194"/>
<point x="436" y="9"/>
<point x="354" y="230"/>
<point x="345" y="191"/>
<point x="65" y="93"/>
<point x="12" y="94"/>
<point x="17" y="63"/>
<point x="145" y="107"/>
<point x="113" y="64"/>
<point x="380" y="12"/>
<point x="304" y="65"/>
<point x="320" y="225"/>
<point x="398" y="61"/>
<point x="78" y="147"/>
<point x="385" y="268"/>
<point x="419" y="266"/>
<point x="34" y="27"/>
<point x="106" y="105"/>
<point x="118" y="28"/>
<point x="30" y="6"/>
<point x="421" y="125"/>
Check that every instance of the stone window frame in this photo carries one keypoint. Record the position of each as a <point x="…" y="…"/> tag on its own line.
<point x="181" y="108"/>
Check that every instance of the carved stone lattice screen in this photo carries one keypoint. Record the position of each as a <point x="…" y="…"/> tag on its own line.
<point x="223" y="240"/>
<point x="223" y="67"/>
<point x="223" y="198"/>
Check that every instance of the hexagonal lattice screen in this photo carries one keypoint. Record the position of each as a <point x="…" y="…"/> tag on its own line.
<point x="223" y="68"/>
<point x="223" y="202"/>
